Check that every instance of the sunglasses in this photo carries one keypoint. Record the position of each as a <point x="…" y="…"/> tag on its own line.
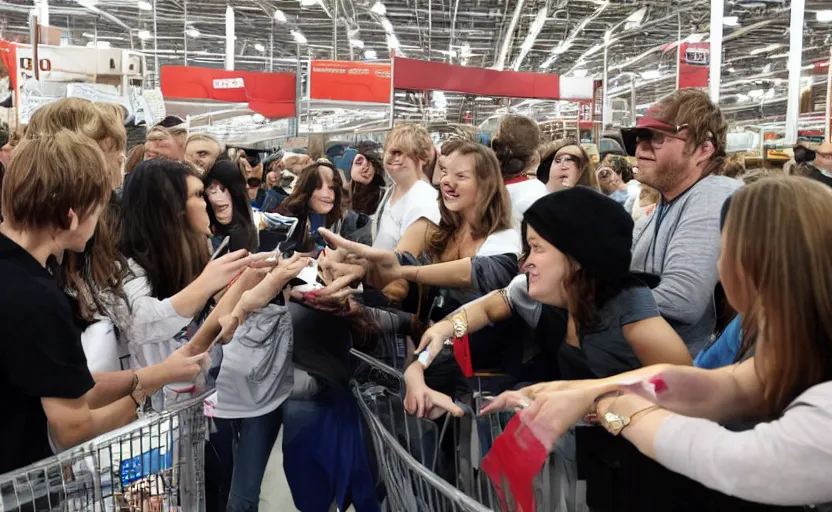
<point x="657" y="138"/>
<point x="254" y="182"/>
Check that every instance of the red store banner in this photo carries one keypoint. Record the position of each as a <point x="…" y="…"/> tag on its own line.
<point x="694" y="65"/>
<point x="350" y="81"/>
<point x="271" y="95"/>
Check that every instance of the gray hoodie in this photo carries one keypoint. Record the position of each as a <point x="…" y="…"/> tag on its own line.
<point x="680" y="242"/>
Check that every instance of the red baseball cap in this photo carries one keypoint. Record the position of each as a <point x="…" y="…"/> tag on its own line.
<point x="649" y="121"/>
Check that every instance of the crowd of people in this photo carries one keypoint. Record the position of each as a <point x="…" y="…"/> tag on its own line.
<point x="668" y="301"/>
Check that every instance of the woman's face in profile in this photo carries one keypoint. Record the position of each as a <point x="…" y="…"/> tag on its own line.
<point x="361" y="171"/>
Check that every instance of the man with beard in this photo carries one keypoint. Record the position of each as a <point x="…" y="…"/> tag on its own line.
<point x="679" y="143"/>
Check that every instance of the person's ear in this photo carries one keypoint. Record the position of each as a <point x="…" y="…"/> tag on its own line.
<point x="74" y="221"/>
<point x="705" y="152"/>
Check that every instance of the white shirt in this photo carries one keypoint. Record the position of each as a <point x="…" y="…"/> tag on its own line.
<point x="523" y="194"/>
<point x="421" y="201"/>
<point x="102" y="349"/>
<point x="154" y="325"/>
<point x="506" y="241"/>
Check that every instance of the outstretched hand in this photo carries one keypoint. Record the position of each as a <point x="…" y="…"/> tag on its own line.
<point x="384" y="264"/>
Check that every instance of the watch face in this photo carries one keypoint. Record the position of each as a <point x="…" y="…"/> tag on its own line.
<point x="613" y="423"/>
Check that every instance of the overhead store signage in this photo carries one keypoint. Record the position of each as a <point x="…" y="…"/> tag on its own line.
<point x="271" y="95"/>
<point x="694" y="64"/>
<point x="437" y="76"/>
<point x="349" y="81"/>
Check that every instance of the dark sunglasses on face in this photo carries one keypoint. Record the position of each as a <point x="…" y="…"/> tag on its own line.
<point x="656" y="138"/>
<point x="254" y="182"/>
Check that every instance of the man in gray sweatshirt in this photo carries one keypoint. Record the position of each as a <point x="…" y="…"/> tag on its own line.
<point x="679" y="143"/>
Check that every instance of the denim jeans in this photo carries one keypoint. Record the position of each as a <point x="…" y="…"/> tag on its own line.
<point x="252" y="442"/>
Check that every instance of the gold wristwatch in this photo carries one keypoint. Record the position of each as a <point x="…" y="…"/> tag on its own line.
<point x="615" y="423"/>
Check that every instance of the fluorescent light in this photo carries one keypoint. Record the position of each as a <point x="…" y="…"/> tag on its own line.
<point x="767" y="68"/>
<point x="259" y="47"/>
<point x="756" y="93"/>
<point x="192" y="32"/>
<point x="379" y="9"/>
<point x="637" y="16"/>
<point x="279" y="16"/>
<point x="308" y="3"/>
<point x="465" y="51"/>
<point x="299" y="38"/>
<point x="370" y="55"/>
<point x="580" y="73"/>
<point x="386" y="25"/>
<point x="742" y="97"/>
<point x="824" y="16"/>
<point x="144" y="6"/>
<point x="357" y="43"/>
<point x="652" y="74"/>
<point x="145" y="34"/>
<point x="765" y="49"/>
<point x="730" y="21"/>
<point x="87" y="34"/>
<point x="731" y="70"/>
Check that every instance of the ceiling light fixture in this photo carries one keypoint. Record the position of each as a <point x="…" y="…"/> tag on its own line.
<point x="308" y="3"/>
<point x="144" y="6"/>
<point x="730" y="21"/>
<point x="379" y="9"/>
<point x="299" y="38"/>
<point x="634" y="20"/>
<point x="824" y="16"/>
<point x="732" y="70"/>
<point x="279" y="16"/>
<point x="259" y="47"/>
<point x="370" y="55"/>
<point x="651" y="75"/>
<point x="192" y="32"/>
<point x="580" y="73"/>
<point x="756" y="93"/>
<point x="357" y="43"/>
<point x="767" y="68"/>
<point x="465" y="51"/>
<point x="145" y="34"/>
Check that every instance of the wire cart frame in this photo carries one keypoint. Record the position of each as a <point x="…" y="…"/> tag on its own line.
<point x="155" y="464"/>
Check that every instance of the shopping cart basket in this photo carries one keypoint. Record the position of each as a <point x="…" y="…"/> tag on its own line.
<point x="154" y="464"/>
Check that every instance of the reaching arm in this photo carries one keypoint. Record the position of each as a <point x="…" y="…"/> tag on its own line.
<point x="71" y="421"/>
<point x="413" y="241"/>
<point x="451" y="274"/>
<point x="480" y="313"/>
<point x="731" y="393"/>
<point x="655" y="342"/>
<point x="780" y="462"/>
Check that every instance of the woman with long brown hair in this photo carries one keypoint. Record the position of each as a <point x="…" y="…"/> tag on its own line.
<point x="776" y="268"/>
<point x="164" y="236"/>
<point x="565" y="164"/>
<point x="367" y="181"/>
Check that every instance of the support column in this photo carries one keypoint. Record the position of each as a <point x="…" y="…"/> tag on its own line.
<point x="230" y="42"/>
<point x="798" y="8"/>
<point x="717" y="10"/>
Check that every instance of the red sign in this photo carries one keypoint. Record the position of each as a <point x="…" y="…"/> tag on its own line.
<point x="421" y="75"/>
<point x="694" y="64"/>
<point x="8" y="54"/>
<point x="349" y="81"/>
<point x="271" y="95"/>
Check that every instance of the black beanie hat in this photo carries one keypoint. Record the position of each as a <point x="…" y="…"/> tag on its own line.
<point x="588" y="226"/>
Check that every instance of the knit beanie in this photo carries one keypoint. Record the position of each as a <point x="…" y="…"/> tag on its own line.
<point x="589" y="227"/>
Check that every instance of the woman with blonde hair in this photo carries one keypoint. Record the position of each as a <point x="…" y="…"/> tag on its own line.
<point x="776" y="268"/>
<point x="565" y="164"/>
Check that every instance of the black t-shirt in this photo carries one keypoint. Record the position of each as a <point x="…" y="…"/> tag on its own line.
<point x="40" y="355"/>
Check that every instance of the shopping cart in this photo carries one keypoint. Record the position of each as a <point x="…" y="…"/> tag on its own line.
<point x="154" y="464"/>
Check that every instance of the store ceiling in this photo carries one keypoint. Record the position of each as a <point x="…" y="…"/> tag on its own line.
<point x="569" y="37"/>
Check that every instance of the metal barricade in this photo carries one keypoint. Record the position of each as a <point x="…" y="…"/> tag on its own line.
<point x="155" y="464"/>
<point x="410" y="485"/>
